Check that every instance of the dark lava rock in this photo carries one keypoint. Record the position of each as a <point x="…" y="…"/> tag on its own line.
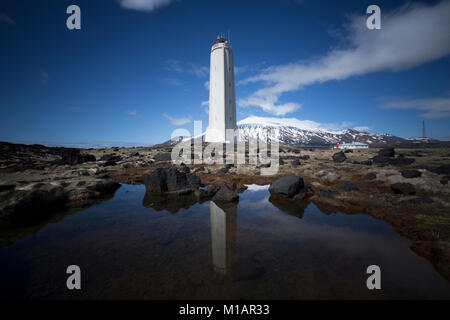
<point x="305" y="157"/>
<point x="387" y="152"/>
<point x="348" y="151"/>
<point x="370" y="176"/>
<point x="163" y="157"/>
<point x="281" y="162"/>
<point x="339" y="157"/>
<point x="72" y="156"/>
<point x="366" y="162"/>
<point x="288" y="186"/>
<point x="419" y="201"/>
<point x="111" y="157"/>
<point x="7" y="187"/>
<point x="109" y="163"/>
<point x="225" y="169"/>
<point x="208" y="193"/>
<point x="403" y="188"/>
<point x="201" y="168"/>
<point x="295" y="162"/>
<point x="225" y="194"/>
<point x="170" y="180"/>
<point x="349" y="186"/>
<point x="380" y="159"/>
<point x="185" y="168"/>
<point x="401" y="161"/>
<point x="445" y="179"/>
<point x="411" y="174"/>
<point x="135" y="154"/>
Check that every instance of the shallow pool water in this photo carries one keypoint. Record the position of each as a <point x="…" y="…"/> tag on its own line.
<point x="250" y="250"/>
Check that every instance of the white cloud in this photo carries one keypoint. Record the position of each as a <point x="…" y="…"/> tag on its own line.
<point x="205" y="105"/>
<point x="4" y="19"/>
<point x="176" y="121"/>
<point x="144" y="5"/>
<point x="309" y="125"/>
<point x="435" y="108"/>
<point x="410" y="36"/>
<point x="192" y="68"/>
<point x="206" y="85"/>
<point x="173" y="81"/>
<point x="131" y="112"/>
<point x="362" y="129"/>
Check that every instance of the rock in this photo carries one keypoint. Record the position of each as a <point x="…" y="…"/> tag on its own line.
<point x="305" y="157"/>
<point x="163" y="157"/>
<point x="387" y="152"/>
<point x="295" y="162"/>
<point x="281" y="162"/>
<point x="443" y="169"/>
<point x="225" y="169"/>
<point x="380" y="159"/>
<point x="444" y="180"/>
<point x="111" y="157"/>
<point x="201" y="168"/>
<point x="366" y="162"/>
<point x="134" y="154"/>
<point x="225" y="194"/>
<point x="411" y="174"/>
<point x="370" y="176"/>
<point x="348" y="151"/>
<point x="185" y="168"/>
<point x="401" y="161"/>
<point x="170" y="180"/>
<point x="288" y="186"/>
<point x="339" y="157"/>
<point x="403" y="188"/>
<point x="349" y="186"/>
<point x="109" y="163"/>
<point x="7" y="187"/>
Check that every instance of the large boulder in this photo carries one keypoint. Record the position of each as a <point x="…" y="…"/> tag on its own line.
<point x="403" y="188"/>
<point x="111" y="158"/>
<point x="387" y="152"/>
<point x="411" y="174"/>
<point x="401" y="161"/>
<point x="225" y="194"/>
<point x="170" y="180"/>
<point x="380" y="159"/>
<point x="286" y="186"/>
<point x="339" y="157"/>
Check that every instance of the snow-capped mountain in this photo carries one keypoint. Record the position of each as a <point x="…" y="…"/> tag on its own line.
<point x="295" y="132"/>
<point x="291" y="131"/>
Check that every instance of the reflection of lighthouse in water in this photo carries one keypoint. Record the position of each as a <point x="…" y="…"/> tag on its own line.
<point x="223" y="237"/>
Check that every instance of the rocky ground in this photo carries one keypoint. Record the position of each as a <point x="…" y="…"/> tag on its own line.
<point x="408" y="188"/>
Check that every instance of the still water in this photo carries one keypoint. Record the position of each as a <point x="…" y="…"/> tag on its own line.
<point x="252" y="250"/>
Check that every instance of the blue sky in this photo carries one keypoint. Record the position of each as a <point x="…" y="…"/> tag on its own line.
<point x="138" y="69"/>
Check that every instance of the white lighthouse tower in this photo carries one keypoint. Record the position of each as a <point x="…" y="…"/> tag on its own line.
<point x="222" y="99"/>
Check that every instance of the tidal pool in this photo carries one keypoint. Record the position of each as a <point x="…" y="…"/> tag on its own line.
<point x="250" y="250"/>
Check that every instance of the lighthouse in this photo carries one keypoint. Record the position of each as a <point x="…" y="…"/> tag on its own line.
<point x="222" y="99"/>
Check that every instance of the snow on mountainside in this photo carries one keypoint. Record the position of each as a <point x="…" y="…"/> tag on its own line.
<point x="295" y="132"/>
<point x="292" y="131"/>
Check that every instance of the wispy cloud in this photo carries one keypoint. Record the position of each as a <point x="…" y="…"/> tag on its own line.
<point x="362" y="128"/>
<point x="393" y="48"/>
<point x="131" y="113"/>
<point x="205" y="105"/>
<point x="4" y="19"/>
<point x="176" y="121"/>
<point x="44" y="77"/>
<point x="192" y="68"/>
<point x="144" y="5"/>
<point x="173" y="81"/>
<point x="436" y="108"/>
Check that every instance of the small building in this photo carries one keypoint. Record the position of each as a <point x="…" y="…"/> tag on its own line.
<point x="352" y="145"/>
